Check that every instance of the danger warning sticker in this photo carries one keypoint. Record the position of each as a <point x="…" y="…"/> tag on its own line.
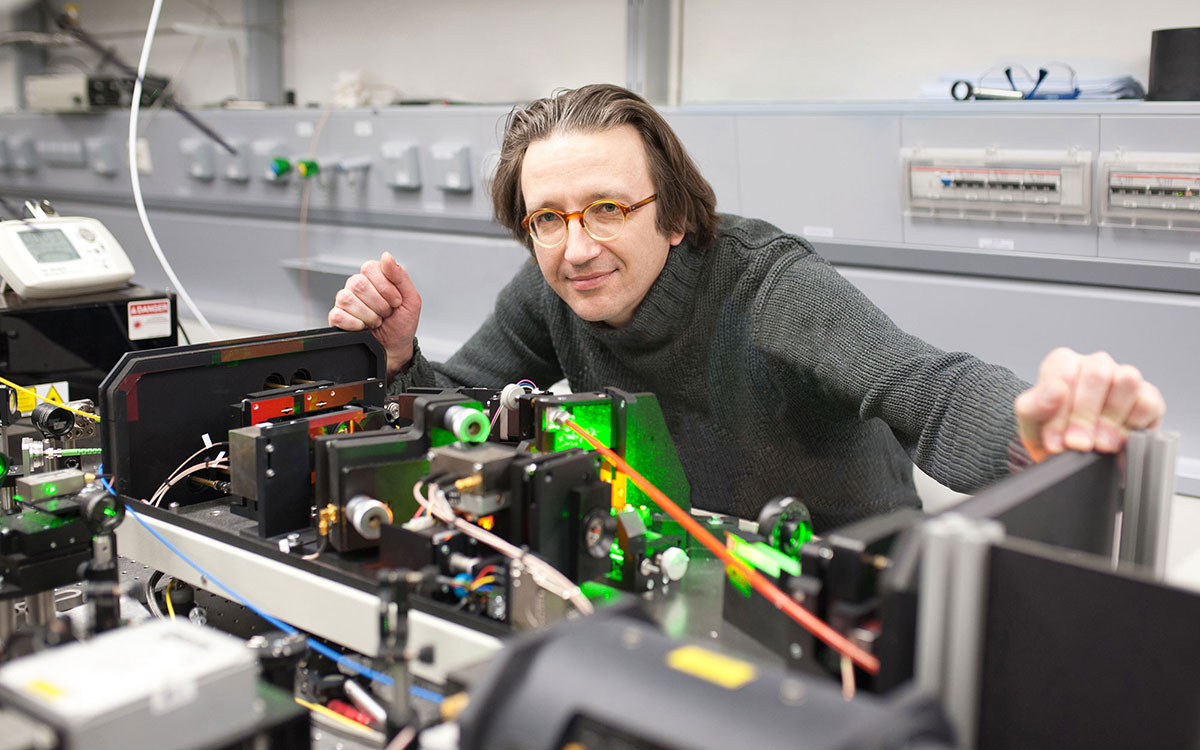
<point x="149" y="319"/>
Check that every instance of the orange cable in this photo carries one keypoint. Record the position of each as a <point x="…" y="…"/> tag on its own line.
<point x="806" y="619"/>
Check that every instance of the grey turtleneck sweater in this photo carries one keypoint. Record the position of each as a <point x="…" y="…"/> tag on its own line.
<point x="775" y="375"/>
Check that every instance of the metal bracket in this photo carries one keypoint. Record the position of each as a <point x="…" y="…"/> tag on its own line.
<point x="1149" y="491"/>
<point x="950" y="615"/>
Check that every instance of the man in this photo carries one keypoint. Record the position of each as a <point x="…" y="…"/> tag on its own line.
<point x="776" y="376"/>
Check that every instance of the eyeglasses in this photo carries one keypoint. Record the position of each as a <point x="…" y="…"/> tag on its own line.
<point x="602" y="220"/>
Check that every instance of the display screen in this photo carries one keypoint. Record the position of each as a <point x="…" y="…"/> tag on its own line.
<point x="49" y="245"/>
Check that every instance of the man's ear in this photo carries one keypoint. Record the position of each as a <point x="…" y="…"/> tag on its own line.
<point x="675" y="238"/>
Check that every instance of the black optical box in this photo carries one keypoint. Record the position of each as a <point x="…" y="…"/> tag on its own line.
<point x="79" y="339"/>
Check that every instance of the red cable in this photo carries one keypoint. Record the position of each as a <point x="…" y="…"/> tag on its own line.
<point x="350" y="712"/>
<point x="806" y="619"/>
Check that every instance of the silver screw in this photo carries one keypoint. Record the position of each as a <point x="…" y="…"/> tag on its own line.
<point x="631" y="638"/>
<point x="791" y="691"/>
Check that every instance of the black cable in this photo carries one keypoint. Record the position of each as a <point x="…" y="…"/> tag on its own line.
<point x="107" y="55"/>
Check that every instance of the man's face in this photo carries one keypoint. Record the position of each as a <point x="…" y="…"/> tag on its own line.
<point x="601" y="281"/>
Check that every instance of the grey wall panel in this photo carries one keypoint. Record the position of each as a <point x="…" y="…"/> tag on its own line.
<point x="711" y="141"/>
<point x="822" y="175"/>
<point x="1003" y="132"/>
<point x="1016" y="324"/>
<point x="189" y="173"/>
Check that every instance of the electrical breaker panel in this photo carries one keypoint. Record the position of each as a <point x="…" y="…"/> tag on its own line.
<point x="998" y="184"/>
<point x="1150" y="190"/>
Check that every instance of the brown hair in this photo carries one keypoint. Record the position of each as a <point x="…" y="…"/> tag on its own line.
<point x="686" y="202"/>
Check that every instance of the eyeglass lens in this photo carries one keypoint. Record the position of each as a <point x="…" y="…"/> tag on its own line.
<point x="603" y="221"/>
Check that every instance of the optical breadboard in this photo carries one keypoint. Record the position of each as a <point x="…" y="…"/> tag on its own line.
<point x="994" y="185"/>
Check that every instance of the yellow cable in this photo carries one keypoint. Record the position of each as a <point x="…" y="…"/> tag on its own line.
<point x="35" y="394"/>
<point x="482" y="582"/>
<point x="167" y="596"/>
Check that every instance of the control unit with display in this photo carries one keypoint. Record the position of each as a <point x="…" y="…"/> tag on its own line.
<point x="56" y="256"/>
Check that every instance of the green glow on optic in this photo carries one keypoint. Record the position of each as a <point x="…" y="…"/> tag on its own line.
<point x="801" y="534"/>
<point x="110" y="511"/>
<point x="594" y="419"/>
<point x="18" y="498"/>
<point x="50" y="489"/>
<point x="616" y="554"/>
<point x="764" y="557"/>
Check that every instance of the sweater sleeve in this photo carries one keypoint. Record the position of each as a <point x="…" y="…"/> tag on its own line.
<point x="513" y="343"/>
<point x="952" y="412"/>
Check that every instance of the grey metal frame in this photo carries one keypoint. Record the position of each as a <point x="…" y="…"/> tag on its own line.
<point x="264" y="50"/>
<point x="1149" y="490"/>
<point x="648" y="48"/>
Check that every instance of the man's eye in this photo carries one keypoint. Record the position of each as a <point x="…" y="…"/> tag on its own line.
<point x="545" y="217"/>
<point x="607" y="208"/>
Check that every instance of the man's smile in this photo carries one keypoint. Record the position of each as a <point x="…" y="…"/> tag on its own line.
<point x="590" y="280"/>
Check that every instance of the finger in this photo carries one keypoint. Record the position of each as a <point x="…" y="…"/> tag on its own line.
<point x="1036" y="407"/>
<point x="387" y="289"/>
<point x="1091" y="391"/>
<point x="1148" y="409"/>
<point x="398" y="276"/>
<point x="350" y="299"/>
<point x="339" y="318"/>
<point x="1059" y="371"/>
<point x="1122" y="394"/>
<point x="361" y="293"/>
<point x="1060" y="364"/>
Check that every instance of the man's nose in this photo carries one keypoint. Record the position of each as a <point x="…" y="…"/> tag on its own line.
<point x="580" y="246"/>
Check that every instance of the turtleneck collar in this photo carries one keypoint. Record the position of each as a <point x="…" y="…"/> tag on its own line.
<point x="667" y="306"/>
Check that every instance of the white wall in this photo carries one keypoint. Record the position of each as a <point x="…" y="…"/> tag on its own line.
<point x="783" y="50"/>
<point x="754" y="51"/>
<point x="468" y="50"/>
